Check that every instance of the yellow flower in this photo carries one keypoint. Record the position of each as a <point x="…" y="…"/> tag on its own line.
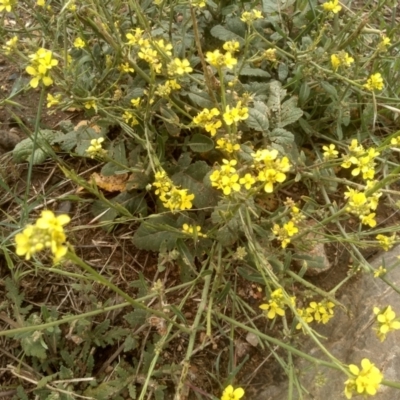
<point x="232" y="394"/>
<point x="247" y="181"/>
<point x="193" y="230"/>
<point x="379" y="272"/>
<point x="53" y="101"/>
<point x="91" y="104"/>
<point x="375" y="81"/>
<point x="7" y="5"/>
<point x="10" y="45"/>
<point x="273" y="309"/>
<point x="125" y="68"/>
<point x="250" y="16"/>
<point x="41" y="62"/>
<point x="135" y="36"/>
<point x="198" y="3"/>
<point x="79" y="43"/>
<point x="179" y="67"/>
<point x="270" y="176"/>
<point x="290" y="228"/>
<point x="330" y="152"/>
<point x="48" y="232"/>
<point x="332" y="6"/>
<point x="368" y="220"/>
<point x="231" y="46"/>
<point x="135" y="102"/>
<point x="365" y="381"/>
<point x="385" y="320"/>
<point x="41" y="3"/>
<point x="341" y="59"/>
<point x="218" y="60"/>
<point x="386" y="242"/>
<point x="95" y="148"/>
<point x="235" y="114"/>
<point x="270" y="55"/>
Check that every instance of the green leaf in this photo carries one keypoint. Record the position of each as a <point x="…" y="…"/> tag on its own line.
<point x="136" y="318"/>
<point x="248" y="71"/>
<point x="66" y="141"/>
<point x="276" y="96"/>
<point x="290" y="113"/>
<point x="200" y="143"/>
<point x="192" y="179"/>
<point x="200" y="99"/>
<point x="258" y="118"/>
<point x="330" y="89"/>
<point x="221" y="33"/>
<point x="304" y="93"/>
<point x="281" y="139"/>
<point x="283" y="72"/>
<point x="171" y="121"/>
<point x="156" y="231"/>
<point x="273" y="6"/>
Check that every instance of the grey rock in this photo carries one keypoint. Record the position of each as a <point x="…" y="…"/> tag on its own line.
<point x="350" y="337"/>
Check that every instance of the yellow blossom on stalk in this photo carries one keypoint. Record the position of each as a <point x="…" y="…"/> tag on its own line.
<point x="232" y="46"/>
<point x="218" y="60"/>
<point x="365" y="381"/>
<point x="193" y="230"/>
<point x="270" y="55"/>
<point x="48" y="232"/>
<point x="95" y="148"/>
<point x="125" y="68"/>
<point x="386" y="242"/>
<point x="230" y="393"/>
<point x="130" y="118"/>
<point x="332" y="5"/>
<point x="226" y="178"/>
<point x="385" y="321"/>
<point x="135" y="36"/>
<point x="236" y="114"/>
<point x="355" y="148"/>
<point x="330" y="152"/>
<point x="198" y="3"/>
<point x="270" y="177"/>
<point x="395" y="141"/>
<point x="368" y="219"/>
<point x="136" y="102"/>
<point x="171" y="196"/>
<point x="306" y="316"/>
<point x="7" y="5"/>
<point x="53" y="100"/>
<point x="341" y="59"/>
<point x="79" y="43"/>
<point x="179" y="67"/>
<point x="322" y="311"/>
<point x="247" y="181"/>
<point x="379" y="272"/>
<point x="71" y="5"/>
<point x="250" y="16"/>
<point x="41" y="63"/>
<point x="90" y="104"/>
<point x="162" y="47"/>
<point x="285" y="233"/>
<point x="207" y="119"/>
<point x="385" y="42"/>
<point x="227" y="145"/>
<point x="276" y="305"/>
<point x="164" y="90"/>
<point x="375" y="81"/>
<point x="10" y="45"/>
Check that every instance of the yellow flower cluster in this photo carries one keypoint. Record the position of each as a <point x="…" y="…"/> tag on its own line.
<point x="375" y="81"/>
<point x="226" y="178"/>
<point x="10" y="45"/>
<point x="95" y="148"/>
<point x="250" y="16"/>
<point x="270" y="168"/>
<point x="332" y="6"/>
<point x="193" y="230"/>
<point x="319" y="312"/>
<point x="285" y="232"/>
<point x="41" y="63"/>
<point x="48" y="232"/>
<point x="219" y="60"/>
<point x="235" y="114"/>
<point x="53" y="100"/>
<point x="165" y="89"/>
<point x="361" y="205"/>
<point x="129" y="118"/>
<point x="341" y="59"/>
<point x="386" y="322"/>
<point x="276" y="305"/>
<point x="365" y="381"/>
<point x="386" y="242"/>
<point x="171" y="196"/>
<point x="363" y="160"/>
<point x="232" y="46"/>
<point x="208" y="120"/>
<point x="379" y="272"/>
<point x="79" y="43"/>
<point x="227" y="145"/>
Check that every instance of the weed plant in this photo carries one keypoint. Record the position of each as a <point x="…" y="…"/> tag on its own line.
<point x="240" y="137"/>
